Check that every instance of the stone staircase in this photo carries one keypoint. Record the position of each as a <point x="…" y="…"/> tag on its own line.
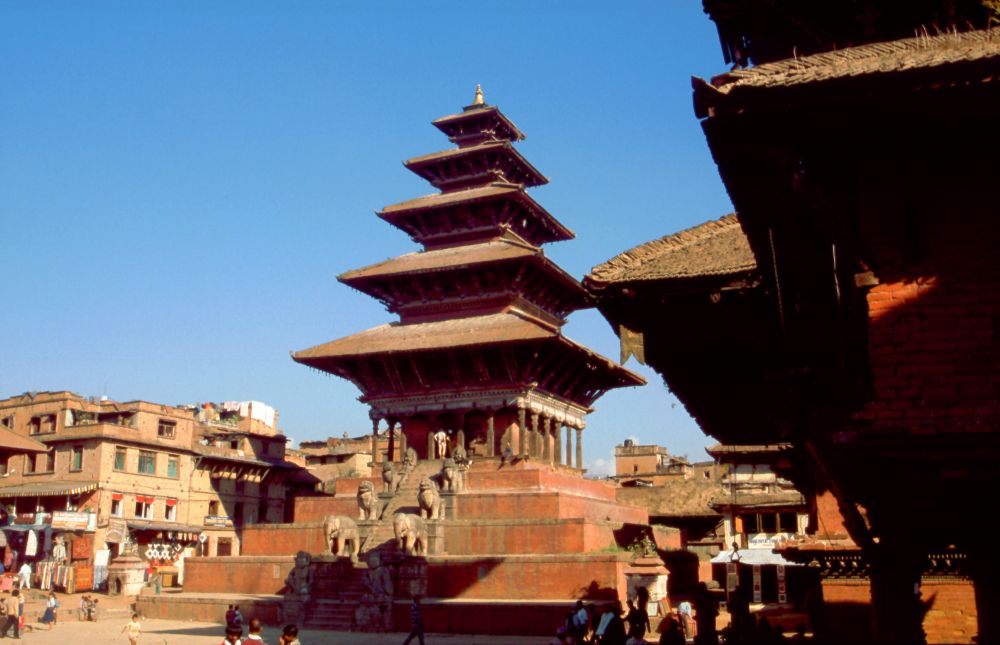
<point x="382" y="538"/>
<point x="336" y="599"/>
<point x="339" y="589"/>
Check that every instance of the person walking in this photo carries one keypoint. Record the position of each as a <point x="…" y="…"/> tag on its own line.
<point x="416" y="621"/>
<point x="133" y="628"/>
<point x="24" y="576"/>
<point x="10" y="605"/>
<point x="49" y="617"/>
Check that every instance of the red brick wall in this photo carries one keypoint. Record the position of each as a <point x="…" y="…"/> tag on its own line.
<point x="315" y="507"/>
<point x="846" y="613"/>
<point x="251" y="575"/>
<point x="282" y="539"/>
<point x="544" y="536"/>
<point x="830" y="521"/>
<point x="544" y="505"/>
<point x="952" y="615"/>
<point x="548" y="577"/>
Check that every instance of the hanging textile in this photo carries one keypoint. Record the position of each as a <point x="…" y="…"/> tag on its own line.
<point x="31" y="545"/>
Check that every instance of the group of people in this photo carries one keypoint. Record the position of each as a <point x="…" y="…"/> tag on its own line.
<point x="234" y="631"/>
<point x="12" y="613"/>
<point x="615" y="626"/>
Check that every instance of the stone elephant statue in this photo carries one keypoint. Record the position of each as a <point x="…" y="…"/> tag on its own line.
<point x="429" y="500"/>
<point x="390" y="478"/>
<point x="367" y="502"/>
<point x="411" y="533"/>
<point x="340" y="530"/>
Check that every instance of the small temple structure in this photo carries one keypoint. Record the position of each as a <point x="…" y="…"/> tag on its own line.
<point x="477" y="351"/>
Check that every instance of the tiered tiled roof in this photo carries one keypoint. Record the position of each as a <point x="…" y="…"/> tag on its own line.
<point x="481" y="306"/>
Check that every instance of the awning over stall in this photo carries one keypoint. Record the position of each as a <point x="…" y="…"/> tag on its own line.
<point x="47" y="489"/>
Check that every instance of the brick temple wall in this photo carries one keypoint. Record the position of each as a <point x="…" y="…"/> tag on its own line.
<point x="283" y="539"/>
<point x="549" y="577"/>
<point x="238" y="574"/>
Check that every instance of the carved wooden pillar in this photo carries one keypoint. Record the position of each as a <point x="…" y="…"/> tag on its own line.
<point x="402" y="438"/>
<point x="490" y="448"/>
<point x="460" y="430"/>
<point x="522" y="434"/>
<point x="557" y="442"/>
<point x="579" y="448"/>
<point x="431" y="429"/>
<point x="392" y="439"/>
<point x="533" y="442"/>
<point x="569" y="445"/>
<point x="547" y="439"/>
<point x="375" y="422"/>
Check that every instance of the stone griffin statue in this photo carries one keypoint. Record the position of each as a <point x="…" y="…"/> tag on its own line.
<point x="410" y="459"/>
<point x="450" y="477"/>
<point x="429" y="500"/>
<point x="411" y="533"/>
<point x="390" y="478"/>
<point x="367" y="502"/>
<point x="300" y="578"/>
<point x="339" y="530"/>
<point x="460" y="456"/>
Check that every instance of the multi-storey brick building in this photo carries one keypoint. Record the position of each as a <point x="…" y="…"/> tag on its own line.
<point x="171" y="479"/>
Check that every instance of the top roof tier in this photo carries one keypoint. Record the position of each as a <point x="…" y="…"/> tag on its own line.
<point x="485" y="153"/>
<point x="478" y="123"/>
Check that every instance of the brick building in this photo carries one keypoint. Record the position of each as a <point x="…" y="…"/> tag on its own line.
<point x="850" y="307"/>
<point x="158" y="475"/>
<point x="648" y="465"/>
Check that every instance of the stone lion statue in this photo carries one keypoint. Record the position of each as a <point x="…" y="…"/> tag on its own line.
<point x="340" y="530"/>
<point x="460" y="456"/>
<point x="390" y="478"/>
<point x="411" y="533"/>
<point x="367" y="502"/>
<point x="300" y="578"/>
<point x="429" y="500"/>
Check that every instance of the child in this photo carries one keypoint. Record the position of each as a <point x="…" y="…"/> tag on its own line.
<point x="133" y="629"/>
<point x="232" y="636"/>
<point x="254" y="637"/>
<point x="290" y="635"/>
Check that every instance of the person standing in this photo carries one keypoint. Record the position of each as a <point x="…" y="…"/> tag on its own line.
<point x="24" y="576"/>
<point x="614" y="634"/>
<point x="238" y="620"/>
<point x="133" y="628"/>
<point x="230" y="616"/>
<point x="416" y="621"/>
<point x="10" y="605"/>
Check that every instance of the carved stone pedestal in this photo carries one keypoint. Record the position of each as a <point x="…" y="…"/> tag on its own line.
<point x="448" y="506"/>
<point x="435" y="538"/>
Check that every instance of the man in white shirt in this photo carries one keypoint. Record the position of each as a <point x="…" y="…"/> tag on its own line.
<point x="24" y="575"/>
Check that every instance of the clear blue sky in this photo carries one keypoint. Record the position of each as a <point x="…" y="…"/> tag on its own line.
<point x="180" y="182"/>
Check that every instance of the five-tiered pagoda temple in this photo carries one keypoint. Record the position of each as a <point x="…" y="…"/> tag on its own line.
<point x="478" y="350"/>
